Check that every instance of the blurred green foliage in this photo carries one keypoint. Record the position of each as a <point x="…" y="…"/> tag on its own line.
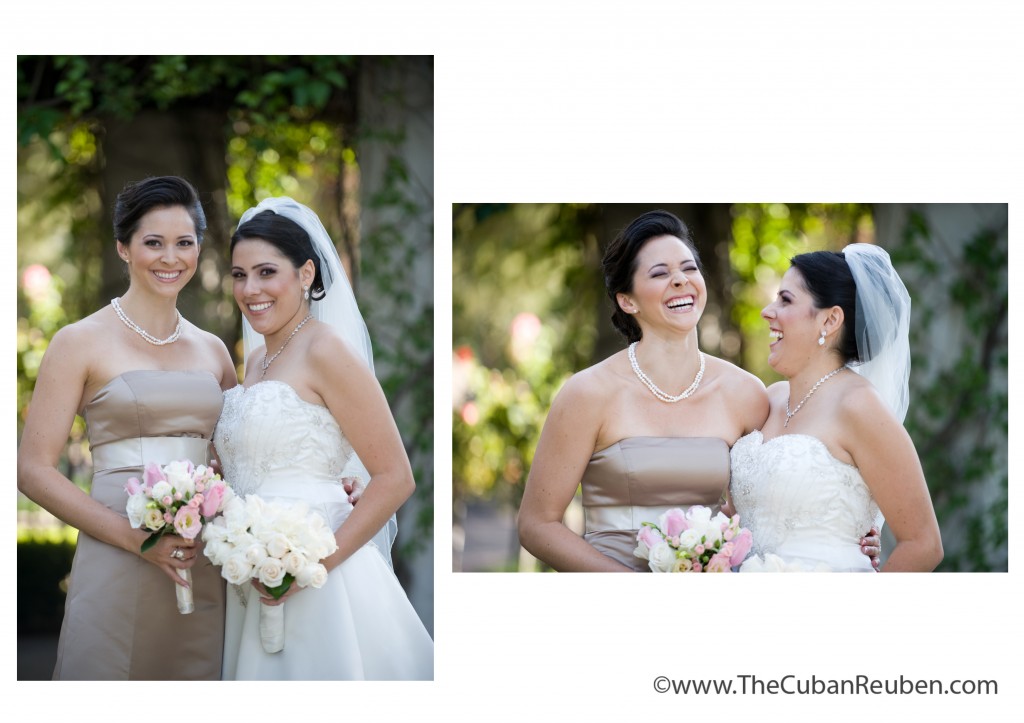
<point x="283" y="125"/>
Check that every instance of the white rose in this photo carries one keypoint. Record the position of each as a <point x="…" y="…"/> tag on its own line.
<point x="293" y="562"/>
<point x="153" y="520"/>
<point x="712" y="535"/>
<point x="255" y="553"/>
<point x="178" y="476"/>
<point x="698" y="515"/>
<point x="662" y="558"/>
<point x="236" y="570"/>
<point x="216" y="550"/>
<point x="215" y="531"/>
<point x="161" y="490"/>
<point x="271" y="572"/>
<point x="278" y="545"/>
<point x="689" y="539"/>
<point x="136" y="509"/>
<point x="312" y="576"/>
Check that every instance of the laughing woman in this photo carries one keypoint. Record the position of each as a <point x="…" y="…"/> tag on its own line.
<point x="621" y="430"/>
<point x="149" y="385"/>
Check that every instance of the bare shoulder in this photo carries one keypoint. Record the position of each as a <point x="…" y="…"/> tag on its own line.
<point x="330" y="355"/>
<point x="736" y="381"/>
<point x="861" y="406"/>
<point x="84" y="337"/>
<point x="590" y="386"/>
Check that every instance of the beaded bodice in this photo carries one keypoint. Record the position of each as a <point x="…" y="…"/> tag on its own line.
<point x="799" y="501"/>
<point x="268" y="433"/>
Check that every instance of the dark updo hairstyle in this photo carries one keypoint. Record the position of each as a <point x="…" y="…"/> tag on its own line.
<point x="287" y="237"/>
<point x="619" y="262"/>
<point x="137" y="199"/>
<point x="830" y="283"/>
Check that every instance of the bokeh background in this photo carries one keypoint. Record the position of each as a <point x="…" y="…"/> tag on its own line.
<point x="529" y="309"/>
<point x="352" y="137"/>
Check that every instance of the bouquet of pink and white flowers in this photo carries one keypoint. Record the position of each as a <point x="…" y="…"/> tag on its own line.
<point x="693" y="541"/>
<point x="176" y="498"/>
<point x="279" y="543"/>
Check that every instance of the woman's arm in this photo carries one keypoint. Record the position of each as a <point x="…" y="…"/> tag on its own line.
<point x="885" y="455"/>
<point x="565" y="447"/>
<point x="58" y="394"/>
<point x="355" y="398"/>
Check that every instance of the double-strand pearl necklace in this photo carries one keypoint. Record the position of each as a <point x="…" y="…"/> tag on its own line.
<point x="267" y="362"/>
<point x="688" y="392"/>
<point x="116" y="303"/>
<point x="789" y="414"/>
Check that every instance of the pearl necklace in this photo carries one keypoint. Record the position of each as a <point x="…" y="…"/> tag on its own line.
<point x="789" y="414"/>
<point x="116" y="303"/>
<point x="268" y="362"/>
<point x="688" y="392"/>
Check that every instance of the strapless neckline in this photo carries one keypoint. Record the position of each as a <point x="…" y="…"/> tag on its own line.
<point x="139" y="372"/>
<point x="795" y="437"/>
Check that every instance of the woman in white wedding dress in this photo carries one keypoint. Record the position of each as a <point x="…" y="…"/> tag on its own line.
<point x="308" y="404"/>
<point x="833" y="457"/>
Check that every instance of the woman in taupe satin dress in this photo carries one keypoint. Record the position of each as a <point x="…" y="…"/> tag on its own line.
<point x="149" y="384"/>
<point x="636" y="449"/>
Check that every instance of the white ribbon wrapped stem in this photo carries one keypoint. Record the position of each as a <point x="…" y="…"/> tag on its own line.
<point x="185" y="603"/>
<point x="272" y="627"/>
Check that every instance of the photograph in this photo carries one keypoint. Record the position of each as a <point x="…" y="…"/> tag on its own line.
<point x="751" y="387"/>
<point x="225" y="399"/>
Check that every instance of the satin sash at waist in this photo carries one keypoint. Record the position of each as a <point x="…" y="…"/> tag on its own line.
<point x="621" y="517"/>
<point x="140" y="451"/>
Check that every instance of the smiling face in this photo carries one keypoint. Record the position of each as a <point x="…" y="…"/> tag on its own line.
<point x="267" y="286"/>
<point x="163" y="253"/>
<point x="794" y="324"/>
<point x="668" y="288"/>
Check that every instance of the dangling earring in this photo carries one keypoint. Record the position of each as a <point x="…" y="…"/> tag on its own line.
<point x="821" y="339"/>
<point x="305" y="293"/>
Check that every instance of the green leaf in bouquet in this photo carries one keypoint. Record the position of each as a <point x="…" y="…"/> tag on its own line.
<point x="281" y="589"/>
<point x="151" y="540"/>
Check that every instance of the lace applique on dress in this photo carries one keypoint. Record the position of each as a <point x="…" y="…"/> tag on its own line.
<point x="268" y="430"/>
<point x="800" y="502"/>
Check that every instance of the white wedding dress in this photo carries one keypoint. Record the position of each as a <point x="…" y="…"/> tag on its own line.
<point x="360" y="625"/>
<point x="805" y="509"/>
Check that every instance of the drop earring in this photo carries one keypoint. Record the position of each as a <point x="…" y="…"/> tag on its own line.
<point x="821" y="339"/>
<point x="305" y="293"/>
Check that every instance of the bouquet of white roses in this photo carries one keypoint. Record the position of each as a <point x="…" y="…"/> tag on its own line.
<point x="279" y="543"/>
<point x="693" y="541"/>
<point x="176" y="498"/>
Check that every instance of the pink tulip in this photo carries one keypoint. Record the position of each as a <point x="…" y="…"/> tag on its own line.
<point x="646" y="534"/>
<point x="200" y="487"/>
<point x="675" y="522"/>
<point x="212" y="500"/>
<point x="741" y="546"/>
<point x="153" y="474"/>
<point x="133" y="486"/>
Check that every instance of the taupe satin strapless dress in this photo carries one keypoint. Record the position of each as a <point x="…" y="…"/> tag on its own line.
<point x="121" y="620"/>
<point x="636" y="479"/>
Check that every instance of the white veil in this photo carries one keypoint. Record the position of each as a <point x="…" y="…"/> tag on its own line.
<point x="882" y="326"/>
<point x="338" y="308"/>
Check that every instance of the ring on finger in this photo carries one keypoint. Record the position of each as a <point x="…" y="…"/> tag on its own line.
<point x="178" y="554"/>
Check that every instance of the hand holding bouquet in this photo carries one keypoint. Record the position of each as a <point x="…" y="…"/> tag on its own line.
<point x="279" y="543"/>
<point x="693" y="541"/>
<point x="176" y="498"/>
